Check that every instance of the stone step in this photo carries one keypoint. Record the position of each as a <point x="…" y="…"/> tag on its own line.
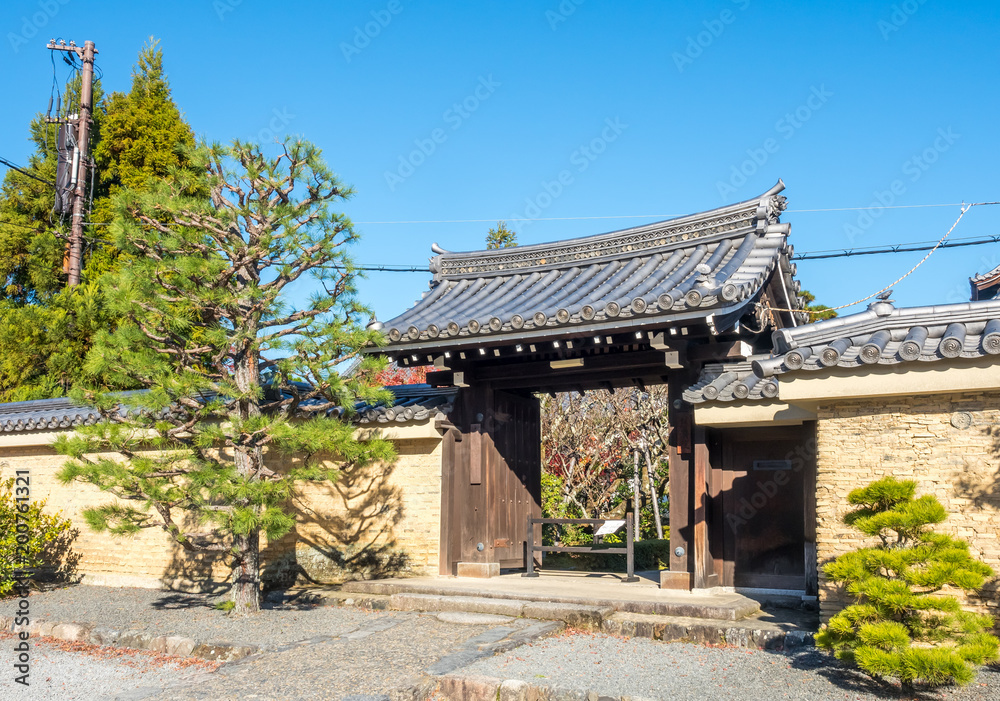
<point x="760" y="630"/>
<point x="724" y="607"/>
<point x="753" y="632"/>
<point x="576" y="615"/>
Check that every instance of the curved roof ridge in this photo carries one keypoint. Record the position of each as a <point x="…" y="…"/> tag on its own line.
<point x="712" y="263"/>
<point x="883" y="314"/>
<point x="665" y="234"/>
<point x="881" y="335"/>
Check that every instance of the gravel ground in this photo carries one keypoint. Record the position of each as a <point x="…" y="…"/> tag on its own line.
<point x="62" y="672"/>
<point x="366" y="665"/>
<point x="190" y="615"/>
<point x="322" y="652"/>
<point x="679" y="671"/>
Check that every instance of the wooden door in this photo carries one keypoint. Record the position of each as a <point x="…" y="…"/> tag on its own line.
<point x="515" y="474"/>
<point x="765" y="479"/>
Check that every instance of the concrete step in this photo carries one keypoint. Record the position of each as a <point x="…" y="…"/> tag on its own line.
<point x="725" y="607"/>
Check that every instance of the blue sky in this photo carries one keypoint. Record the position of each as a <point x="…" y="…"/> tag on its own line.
<point x="556" y="111"/>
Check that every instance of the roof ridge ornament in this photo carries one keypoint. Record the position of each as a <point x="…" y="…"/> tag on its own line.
<point x="884" y="305"/>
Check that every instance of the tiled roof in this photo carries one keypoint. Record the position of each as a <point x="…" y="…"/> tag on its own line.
<point x="727" y="382"/>
<point x="881" y="335"/>
<point x="982" y="277"/>
<point x="715" y="262"/>
<point x="45" y="414"/>
<point x="413" y="403"/>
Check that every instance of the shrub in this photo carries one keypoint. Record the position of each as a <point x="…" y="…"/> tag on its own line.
<point x="902" y="626"/>
<point x="33" y="541"/>
<point x="649" y="555"/>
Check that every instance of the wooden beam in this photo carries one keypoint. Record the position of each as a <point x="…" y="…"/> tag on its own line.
<point x="703" y="568"/>
<point x="652" y="359"/>
<point x="809" y="488"/>
<point x="680" y="520"/>
<point x="720" y="351"/>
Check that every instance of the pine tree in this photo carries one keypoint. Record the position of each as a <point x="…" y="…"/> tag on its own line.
<point x="228" y="367"/>
<point x="46" y="328"/>
<point x="902" y="625"/>
<point x="820" y="312"/>
<point x="501" y="237"/>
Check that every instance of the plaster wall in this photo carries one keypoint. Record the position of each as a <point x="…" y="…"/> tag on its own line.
<point x="378" y="520"/>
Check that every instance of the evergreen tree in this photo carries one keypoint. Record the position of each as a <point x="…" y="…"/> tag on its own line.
<point x="202" y="301"/>
<point x="501" y="237"/>
<point x="901" y="625"/>
<point x="45" y="328"/>
<point x="32" y="237"/>
<point x="820" y="312"/>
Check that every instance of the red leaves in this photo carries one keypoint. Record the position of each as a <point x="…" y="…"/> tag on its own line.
<point x="396" y="375"/>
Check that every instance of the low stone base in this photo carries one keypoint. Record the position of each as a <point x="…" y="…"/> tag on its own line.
<point x="675" y="580"/>
<point x="482" y="570"/>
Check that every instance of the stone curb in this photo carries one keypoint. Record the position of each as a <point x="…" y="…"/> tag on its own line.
<point x="478" y="688"/>
<point x="706" y="632"/>
<point x="139" y="640"/>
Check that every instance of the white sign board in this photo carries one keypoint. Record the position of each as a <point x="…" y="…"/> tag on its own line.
<point x="609" y="527"/>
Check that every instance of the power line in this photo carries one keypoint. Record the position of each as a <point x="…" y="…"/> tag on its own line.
<point x="654" y="216"/>
<point x="22" y="171"/>
<point x="806" y="255"/>
<point x="887" y="288"/>
<point x="21" y="226"/>
<point x="893" y="248"/>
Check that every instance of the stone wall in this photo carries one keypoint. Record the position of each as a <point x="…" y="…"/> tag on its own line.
<point x="379" y="520"/>
<point x="948" y="443"/>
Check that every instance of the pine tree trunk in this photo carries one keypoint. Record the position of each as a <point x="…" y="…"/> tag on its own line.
<point x="245" y="593"/>
<point x="248" y="460"/>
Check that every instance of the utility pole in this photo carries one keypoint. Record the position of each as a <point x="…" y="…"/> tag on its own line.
<point x="79" y="173"/>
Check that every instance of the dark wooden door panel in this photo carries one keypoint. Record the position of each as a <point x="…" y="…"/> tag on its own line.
<point x="516" y="473"/>
<point x="764" y="517"/>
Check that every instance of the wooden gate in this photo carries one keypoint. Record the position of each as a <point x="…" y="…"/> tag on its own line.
<point x="491" y="477"/>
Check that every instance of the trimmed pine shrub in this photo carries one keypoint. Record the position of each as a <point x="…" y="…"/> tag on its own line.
<point x="902" y="625"/>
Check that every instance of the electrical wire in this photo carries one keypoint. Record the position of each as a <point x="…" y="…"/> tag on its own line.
<point x="20" y="226"/>
<point x="651" y="216"/>
<point x="893" y="248"/>
<point x="965" y="208"/>
<point x="22" y="171"/>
